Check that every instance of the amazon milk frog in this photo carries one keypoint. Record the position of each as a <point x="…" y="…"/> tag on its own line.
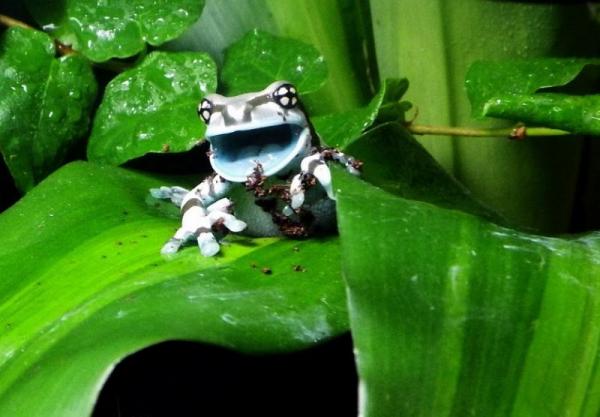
<point x="262" y="142"/>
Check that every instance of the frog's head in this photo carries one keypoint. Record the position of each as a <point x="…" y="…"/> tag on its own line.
<point x="268" y="127"/>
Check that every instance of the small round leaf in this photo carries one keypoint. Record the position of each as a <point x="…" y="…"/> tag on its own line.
<point x="152" y="108"/>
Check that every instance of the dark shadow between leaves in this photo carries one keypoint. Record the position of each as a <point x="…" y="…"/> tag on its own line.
<point x="185" y="378"/>
<point x="586" y="82"/>
<point x="191" y="162"/>
<point x="8" y="190"/>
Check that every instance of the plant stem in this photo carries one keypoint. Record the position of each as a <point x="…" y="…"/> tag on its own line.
<point x="518" y="132"/>
<point x="10" y="22"/>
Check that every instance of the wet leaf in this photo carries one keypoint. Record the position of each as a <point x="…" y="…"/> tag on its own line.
<point x="341" y="129"/>
<point x="511" y="90"/>
<point x="334" y="28"/>
<point x="394" y="161"/>
<point x="260" y="58"/>
<point x="83" y="285"/>
<point x="45" y="107"/>
<point x="452" y="315"/>
<point x="152" y="107"/>
<point x="114" y="28"/>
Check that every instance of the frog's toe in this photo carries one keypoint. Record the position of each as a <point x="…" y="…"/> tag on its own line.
<point x="171" y="246"/>
<point x="235" y="225"/>
<point x="231" y="222"/>
<point x="228" y="220"/>
<point x="287" y="211"/>
<point x="208" y="244"/>
<point x="296" y="192"/>
<point x="223" y="204"/>
<point x="323" y="175"/>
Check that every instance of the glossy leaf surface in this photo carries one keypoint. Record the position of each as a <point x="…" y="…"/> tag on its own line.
<point x="114" y="28"/>
<point x="454" y="316"/>
<point x="341" y="129"/>
<point x="260" y="58"/>
<point x="83" y="285"/>
<point x="511" y="90"/>
<point x="45" y="107"/>
<point x="152" y="107"/>
<point x="394" y="161"/>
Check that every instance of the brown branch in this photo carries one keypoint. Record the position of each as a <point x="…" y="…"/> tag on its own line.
<point x="520" y="131"/>
<point x="10" y="22"/>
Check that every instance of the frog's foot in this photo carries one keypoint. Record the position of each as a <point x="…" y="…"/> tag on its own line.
<point x="218" y="218"/>
<point x="200" y="224"/>
<point x="314" y="168"/>
<point x="173" y="244"/>
<point x="300" y="183"/>
<point x="352" y="165"/>
<point x="175" y="194"/>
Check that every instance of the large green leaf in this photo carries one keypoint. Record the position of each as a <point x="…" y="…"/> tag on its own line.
<point x="260" y="58"/>
<point x="519" y="179"/>
<point x="394" y="161"/>
<point x="454" y="316"/>
<point x="83" y="285"/>
<point x="45" y="107"/>
<point x="510" y="90"/>
<point x="114" y="28"/>
<point x="152" y="107"/>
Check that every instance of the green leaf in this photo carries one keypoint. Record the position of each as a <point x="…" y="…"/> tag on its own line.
<point x="152" y="107"/>
<point x="45" y="107"/>
<point x="486" y="80"/>
<point x="394" y="161"/>
<point x="83" y="285"/>
<point x="510" y="90"/>
<point x="519" y="180"/>
<point x="454" y="316"/>
<point x="259" y="58"/>
<point x="341" y="129"/>
<point x="114" y="28"/>
<point x="340" y="30"/>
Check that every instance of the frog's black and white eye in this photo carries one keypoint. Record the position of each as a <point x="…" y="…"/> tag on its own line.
<point x="205" y="110"/>
<point x="285" y="95"/>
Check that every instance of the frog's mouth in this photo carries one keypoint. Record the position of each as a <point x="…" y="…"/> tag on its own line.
<point x="236" y="154"/>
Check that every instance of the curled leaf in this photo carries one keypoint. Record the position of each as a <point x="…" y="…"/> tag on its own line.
<point x="342" y="129"/>
<point x="514" y="90"/>
<point x="452" y="315"/>
<point x="83" y="285"/>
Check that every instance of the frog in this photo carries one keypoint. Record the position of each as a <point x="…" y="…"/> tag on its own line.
<point x="263" y="143"/>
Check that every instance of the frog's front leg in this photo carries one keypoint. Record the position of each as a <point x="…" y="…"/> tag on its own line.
<point x="201" y="214"/>
<point x="314" y="168"/>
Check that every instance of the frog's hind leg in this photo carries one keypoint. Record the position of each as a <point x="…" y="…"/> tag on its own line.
<point x="201" y="210"/>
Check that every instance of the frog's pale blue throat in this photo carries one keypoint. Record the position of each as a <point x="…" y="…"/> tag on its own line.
<point x="268" y="128"/>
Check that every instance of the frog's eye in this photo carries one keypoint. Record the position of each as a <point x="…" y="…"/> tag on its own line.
<point x="285" y="95"/>
<point x="205" y="110"/>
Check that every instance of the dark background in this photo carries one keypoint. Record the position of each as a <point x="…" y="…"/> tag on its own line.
<point x="191" y="379"/>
